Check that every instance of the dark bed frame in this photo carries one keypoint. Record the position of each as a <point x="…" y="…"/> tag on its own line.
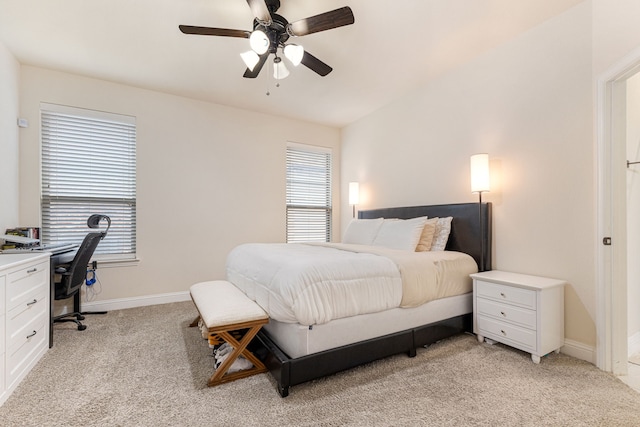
<point x="469" y="229"/>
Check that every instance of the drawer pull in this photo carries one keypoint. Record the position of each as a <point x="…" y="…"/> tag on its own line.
<point x="503" y="332"/>
<point x="502" y="295"/>
<point x="33" y="270"/>
<point x="32" y="302"/>
<point x="503" y="314"/>
<point x="31" y="335"/>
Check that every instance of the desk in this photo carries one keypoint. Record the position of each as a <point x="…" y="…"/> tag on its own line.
<point x="58" y="259"/>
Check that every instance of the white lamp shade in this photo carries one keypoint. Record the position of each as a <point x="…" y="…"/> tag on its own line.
<point x="259" y="42"/>
<point x="354" y="193"/>
<point x="480" y="173"/>
<point x="250" y="59"/>
<point x="279" y="70"/>
<point x="294" y="53"/>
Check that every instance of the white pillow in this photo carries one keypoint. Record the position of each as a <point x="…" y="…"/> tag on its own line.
<point x="362" y="231"/>
<point x="400" y="234"/>
<point x="441" y="236"/>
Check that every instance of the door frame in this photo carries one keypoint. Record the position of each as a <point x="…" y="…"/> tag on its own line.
<point x="611" y="211"/>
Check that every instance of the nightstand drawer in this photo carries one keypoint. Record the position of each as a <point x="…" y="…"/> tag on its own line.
<point x="508" y="313"/>
<point x="524" y="339"/>
<point x="507" y="294"/>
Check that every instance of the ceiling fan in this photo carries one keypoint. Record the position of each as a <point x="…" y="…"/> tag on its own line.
<point x="272" y="31"/>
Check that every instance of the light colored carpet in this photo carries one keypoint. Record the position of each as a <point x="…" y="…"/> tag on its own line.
<point x="145" y="367"/>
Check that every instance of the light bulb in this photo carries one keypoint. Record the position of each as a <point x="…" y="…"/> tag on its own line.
<point x="294" y="53"/>
<point x="259" y="42"/>
<point x="250" y="59"/>
<point x="279" y="69"/>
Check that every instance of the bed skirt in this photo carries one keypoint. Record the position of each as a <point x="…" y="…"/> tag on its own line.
<point x="289" y="371"/>
<point x="298" y="340"/>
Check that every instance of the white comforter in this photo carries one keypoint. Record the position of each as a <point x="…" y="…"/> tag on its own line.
<point x="316" y="283"/>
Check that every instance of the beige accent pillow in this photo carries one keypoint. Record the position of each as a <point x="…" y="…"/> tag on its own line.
<point x="440" y="238"/>
<point x="426" y="239"/>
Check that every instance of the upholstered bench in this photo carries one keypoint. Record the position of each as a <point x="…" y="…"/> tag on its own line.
<point x="224" y="309"/>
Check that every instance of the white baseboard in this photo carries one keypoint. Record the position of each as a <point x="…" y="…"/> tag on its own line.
<point x="633" y="345"/>
<point x="579" y="351"/>
<point x="122" y="303"/>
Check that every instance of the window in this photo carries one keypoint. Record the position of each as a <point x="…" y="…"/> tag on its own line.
<point x="308" y="194"/>
<point x="88" y="166"/>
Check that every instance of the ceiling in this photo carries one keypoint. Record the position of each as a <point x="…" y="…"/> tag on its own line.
<point x="391" y="48"/>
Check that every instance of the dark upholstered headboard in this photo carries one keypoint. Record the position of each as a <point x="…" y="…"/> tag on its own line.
<point x="466" y="230"/>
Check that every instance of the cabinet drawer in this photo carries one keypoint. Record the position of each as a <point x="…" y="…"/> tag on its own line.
<point x="2" y="346"/>
<point x="3" y="280"/>
<point x="508" y="294"/>
<point x="23" y="284"/>
<point x="21" y="357"/>
<point x="508" y="313"/>
<point x="2" y="373"/>
<point x="515" y="336"/>
<point x="25" y="318"/>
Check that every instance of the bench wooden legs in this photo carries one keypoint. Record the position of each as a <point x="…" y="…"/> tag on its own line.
<point x="239" y="348"/>
<point x="195" y="322"/>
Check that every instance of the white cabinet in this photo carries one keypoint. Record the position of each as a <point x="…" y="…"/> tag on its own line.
<point x="24" y="316"/>
<point x="522" y="311"/>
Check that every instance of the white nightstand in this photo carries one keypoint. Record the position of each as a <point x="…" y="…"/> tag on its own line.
<point x="524" y="312"/>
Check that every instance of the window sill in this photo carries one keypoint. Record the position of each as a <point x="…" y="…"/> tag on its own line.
<point x="117" y="262"/>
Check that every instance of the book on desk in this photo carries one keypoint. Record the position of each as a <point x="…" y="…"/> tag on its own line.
<point x="54" y="248"/>
<point x="27" y="239"/>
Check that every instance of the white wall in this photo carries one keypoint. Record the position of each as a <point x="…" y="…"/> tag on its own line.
<point x="528" y="104"/>
<point x="208" y="177"/>
<point x="615" y="31"/>
<point x="9" y="107"/>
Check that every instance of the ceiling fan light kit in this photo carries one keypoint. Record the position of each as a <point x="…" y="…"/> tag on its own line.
<point x="279" y="70"/>
<point x="259" y="42"/>
<point x="250" y="59"/>
<point x="294" y="53"/>
<point x="271" y="32"/>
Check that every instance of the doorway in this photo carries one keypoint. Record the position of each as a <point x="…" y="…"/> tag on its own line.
<point x="612" y="254"/>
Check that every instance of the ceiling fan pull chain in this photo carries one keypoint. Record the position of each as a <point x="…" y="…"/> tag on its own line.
<point x="268" y="77"/>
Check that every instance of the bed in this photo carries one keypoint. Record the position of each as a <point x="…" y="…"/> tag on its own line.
<point x="342" y="319"/>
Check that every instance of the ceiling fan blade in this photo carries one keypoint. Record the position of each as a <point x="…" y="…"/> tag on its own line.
<point x="249" y="74"/>
<point x="260" y="11"/>
<point x="208" y="31"/>
<point x="324" y="21"/>
<point x="315" y="64"/>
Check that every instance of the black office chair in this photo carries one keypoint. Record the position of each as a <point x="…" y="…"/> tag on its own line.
<point x="73" y="275"/>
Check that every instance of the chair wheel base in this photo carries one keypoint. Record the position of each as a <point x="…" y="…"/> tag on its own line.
<point x="82" y="327"/>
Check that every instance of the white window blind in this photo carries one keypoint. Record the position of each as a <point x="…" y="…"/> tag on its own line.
<point x="308" y="194"/>
<point x="88" y="166"/>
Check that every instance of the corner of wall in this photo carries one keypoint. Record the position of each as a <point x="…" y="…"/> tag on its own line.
<point x="9" y="148"/>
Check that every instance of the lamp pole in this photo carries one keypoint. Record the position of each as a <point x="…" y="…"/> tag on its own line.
<point x="481" y="231"/>
<point x="479" y="184"/>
